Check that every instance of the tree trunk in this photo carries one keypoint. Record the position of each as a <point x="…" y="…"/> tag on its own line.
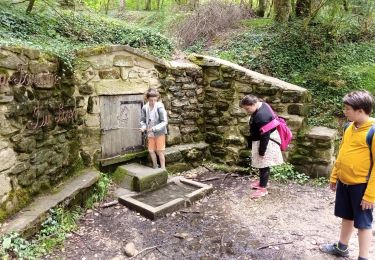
<point x="346" y="5"/>
<point x="261" y="8"/>
<point x="107" y="7"/>
<point x="121" y="5"/>
<point x="148" y="5"/>
<point x="30" y="6"/>
<point x="303" y="8"/>
<point x="283" y="9"/>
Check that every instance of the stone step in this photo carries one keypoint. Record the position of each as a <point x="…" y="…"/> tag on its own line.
<point x="137" y="177"/>
<point x="29" y="219"/>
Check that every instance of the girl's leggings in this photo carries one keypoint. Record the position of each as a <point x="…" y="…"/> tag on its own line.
<point x="264" y="174"/>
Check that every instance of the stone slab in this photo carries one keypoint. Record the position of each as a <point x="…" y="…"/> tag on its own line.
<point x="157" y="212"/>
<point x="25" y="221"/>
<point x="139" y="178"/>
<point x="322" y="133"/>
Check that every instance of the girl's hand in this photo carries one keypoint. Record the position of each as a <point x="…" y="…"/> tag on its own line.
<point x="332" y="186"/>
<point x="367" y="205"/>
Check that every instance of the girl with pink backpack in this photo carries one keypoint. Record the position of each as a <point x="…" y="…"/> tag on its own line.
<point x="265" y="141"/>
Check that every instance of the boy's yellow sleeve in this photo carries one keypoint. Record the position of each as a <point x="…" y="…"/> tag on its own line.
<point x="370" y="190"/>
<point x="333" y="177"/>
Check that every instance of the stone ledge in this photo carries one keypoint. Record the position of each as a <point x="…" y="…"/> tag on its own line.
<point x="28" y="219"/>
<point x="322" y="133"/>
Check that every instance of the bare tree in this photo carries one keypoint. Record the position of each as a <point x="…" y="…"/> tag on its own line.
<point x="30" y="6"/>
<point x="283" y="9"/>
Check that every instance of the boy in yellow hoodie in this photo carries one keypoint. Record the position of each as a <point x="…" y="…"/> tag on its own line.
<point x="353" y="177"/>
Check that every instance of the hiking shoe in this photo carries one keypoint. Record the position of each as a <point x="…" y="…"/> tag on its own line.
<point x="333" y="249"/>
<point x="254" y="185"/>
<point x="260" y="192"/>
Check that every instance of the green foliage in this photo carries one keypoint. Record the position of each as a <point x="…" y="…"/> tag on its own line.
<point x="286" y="172"/>
<point x="321" y="181"/>
<point x="99" y="191"/>
<point x="61" y="32"/>
<point x="53" y="232"/>
<point x="322" y="57"/>
<point x="59" y="223"/>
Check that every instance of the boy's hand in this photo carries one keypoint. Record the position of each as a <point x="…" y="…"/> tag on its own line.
<point x="332" y="186"/>
<point x="367" y="205"/>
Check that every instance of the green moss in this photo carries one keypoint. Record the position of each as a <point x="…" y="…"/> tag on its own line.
<point x="178" y="167"/>
<point x="119" y="175"/>
<point x="257" y="23"/>
<point x="23" y="198"/>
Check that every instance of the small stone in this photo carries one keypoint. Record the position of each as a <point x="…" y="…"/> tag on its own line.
<point x="130" y="249"/>
<point x="89" y="211"/>
<point x="181" y="235"/>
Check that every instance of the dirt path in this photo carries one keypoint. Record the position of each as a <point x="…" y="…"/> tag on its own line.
<point x="224" y="225"/>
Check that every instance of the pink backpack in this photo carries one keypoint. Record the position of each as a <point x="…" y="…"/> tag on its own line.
<point x="281" y="126"/>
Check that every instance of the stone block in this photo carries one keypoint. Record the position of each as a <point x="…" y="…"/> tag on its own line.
<point x="174" y="135"/>
<point x="7" y="159"/>
<point x="139" y="178"/>
<point x="220" y="84"/>
<point x="173" y="154"/>
<point x="123" y="61"/>
<point x="93" y="106"/>
<point x="92" y="120"/>
<point x="5" y="185"/>
<point x="245" y="88"/>
<point x="109" y="74"/>
<point x="298" y="109"/>
<point x="322" y="133"/>
<point x="42" y="66"/>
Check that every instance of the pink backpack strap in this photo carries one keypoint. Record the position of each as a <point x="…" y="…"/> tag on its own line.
<point x="272" y="124"/>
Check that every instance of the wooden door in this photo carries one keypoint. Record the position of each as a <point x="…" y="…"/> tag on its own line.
<point x="119" y="120"/>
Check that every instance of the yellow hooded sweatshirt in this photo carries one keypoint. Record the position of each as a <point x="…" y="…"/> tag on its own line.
<point x="353" y="161"/>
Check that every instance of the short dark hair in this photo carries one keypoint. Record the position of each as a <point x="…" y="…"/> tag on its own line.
<point x="359" y="99"/>
<point x="249" y="100"/>
<point x="152" y="92"/>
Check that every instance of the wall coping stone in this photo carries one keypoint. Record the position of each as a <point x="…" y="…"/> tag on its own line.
<point x="322" y="133"/>
<point x="266" y="79"/>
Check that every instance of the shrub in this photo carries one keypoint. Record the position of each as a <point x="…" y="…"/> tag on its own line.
<point x="209" y="20"/>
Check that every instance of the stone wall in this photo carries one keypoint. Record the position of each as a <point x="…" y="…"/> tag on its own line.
<point x="314" y="154"/>
<point x="226" y="125"/>
<point x="38" y="126"/>
<point x="184" y="97"/>
<point x="108" y="71"/>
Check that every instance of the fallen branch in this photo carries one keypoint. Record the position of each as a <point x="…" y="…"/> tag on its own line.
<point x="276" y="244"/>
<point x="210" y="179"/>
<point x="194" y="212"/>
<point x="109" y="204"/>
<point x="150" y="248"/>
<point x="207" y="168"/>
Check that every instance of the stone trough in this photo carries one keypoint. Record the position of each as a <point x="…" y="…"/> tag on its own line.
<point x="171" y="195"/>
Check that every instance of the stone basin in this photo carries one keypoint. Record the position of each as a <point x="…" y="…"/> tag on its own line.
<point x="176" y="194"/>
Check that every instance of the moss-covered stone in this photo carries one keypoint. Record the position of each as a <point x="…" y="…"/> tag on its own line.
<point x="212" y="137"/>
<point x="220" y="84"/>
<point x="178" y="167"/>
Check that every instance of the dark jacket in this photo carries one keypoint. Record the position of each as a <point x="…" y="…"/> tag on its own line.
<point x="261" y="117"/>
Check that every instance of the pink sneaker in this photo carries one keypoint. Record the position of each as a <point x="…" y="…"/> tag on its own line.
<point x="254" y="185"/>
<point x="260" y="192"/>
